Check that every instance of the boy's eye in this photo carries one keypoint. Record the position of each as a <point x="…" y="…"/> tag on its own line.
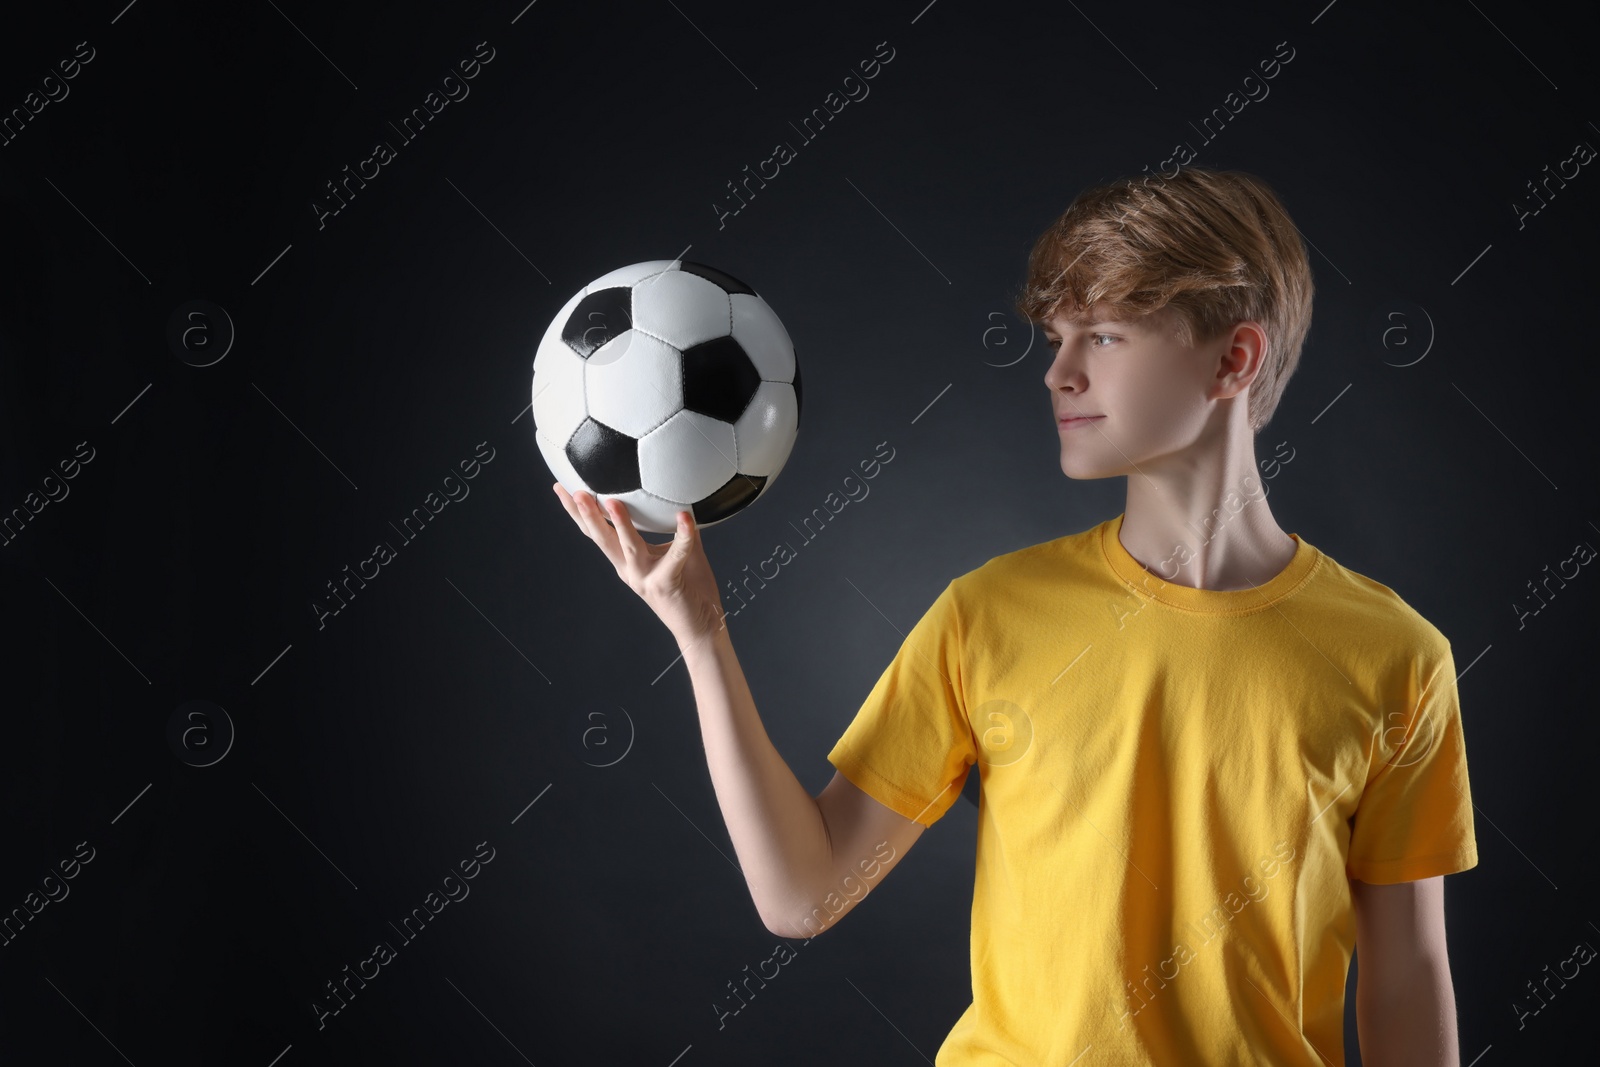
<point x="1055" y="342"/>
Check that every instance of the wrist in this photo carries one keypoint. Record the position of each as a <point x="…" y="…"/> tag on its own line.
<point x="703" y="644"/>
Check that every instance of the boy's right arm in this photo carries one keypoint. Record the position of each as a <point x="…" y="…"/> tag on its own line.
<point x="794" y="849"/>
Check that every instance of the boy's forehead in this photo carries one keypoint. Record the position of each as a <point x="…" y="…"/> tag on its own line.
<point x="1098" y="315"/>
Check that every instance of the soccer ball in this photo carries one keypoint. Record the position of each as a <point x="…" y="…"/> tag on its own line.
<point x="667" y="385"/>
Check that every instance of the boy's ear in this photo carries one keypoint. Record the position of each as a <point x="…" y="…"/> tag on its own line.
<point x="1240" y="359"/>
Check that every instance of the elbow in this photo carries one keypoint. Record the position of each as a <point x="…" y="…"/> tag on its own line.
<point x="791" y="912"/>
<point x="1413" y="1022"/>
<point x="787" y="926"/>
<point x="800" y="925"/>
<point x="778" y="928"/>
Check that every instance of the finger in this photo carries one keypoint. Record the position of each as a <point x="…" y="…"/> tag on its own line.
<point x="632" y="544"/>
<point x="685" y="539"/>
<point x="594" y="523"/>
<point x="574" y="508"/>
<point x="566" y="503"/>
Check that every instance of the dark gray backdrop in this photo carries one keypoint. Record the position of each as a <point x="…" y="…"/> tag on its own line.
<point x="1440" y="428"/>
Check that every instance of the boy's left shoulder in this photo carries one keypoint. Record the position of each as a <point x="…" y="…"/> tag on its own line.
<point x="1379" y="610"/>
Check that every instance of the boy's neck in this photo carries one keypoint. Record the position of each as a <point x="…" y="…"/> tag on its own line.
<point x="1204" y="522"/>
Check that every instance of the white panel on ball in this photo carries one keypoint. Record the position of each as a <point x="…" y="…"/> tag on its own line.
<point x="682" y="309"/>
<point x="557" y="391"/>
<point x="760" y="333"/>
<point x="633" y="383"/>
<point x="765" y="433"/>
<point x="687" y="457"/>
<point x="649" y="512"/>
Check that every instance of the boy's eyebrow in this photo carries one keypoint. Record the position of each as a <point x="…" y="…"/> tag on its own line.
<point x="1048" y="329"/>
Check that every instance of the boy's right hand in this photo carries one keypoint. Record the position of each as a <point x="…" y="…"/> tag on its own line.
<point x="673" y="577"/>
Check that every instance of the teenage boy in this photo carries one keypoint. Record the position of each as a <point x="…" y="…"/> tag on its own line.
<point x="1213" y="761"/>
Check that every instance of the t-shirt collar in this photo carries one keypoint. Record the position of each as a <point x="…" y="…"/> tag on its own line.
<point x="1206" y="601"/>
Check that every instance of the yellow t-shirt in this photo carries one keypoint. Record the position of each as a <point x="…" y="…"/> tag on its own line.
<point x="1177" y="786"/>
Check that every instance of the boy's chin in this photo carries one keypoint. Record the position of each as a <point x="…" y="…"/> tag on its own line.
<point x="1079" y="469"/>
<point x="1088" y="476"/>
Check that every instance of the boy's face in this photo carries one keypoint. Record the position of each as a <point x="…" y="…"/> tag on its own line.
<point x="1145" y="399"/>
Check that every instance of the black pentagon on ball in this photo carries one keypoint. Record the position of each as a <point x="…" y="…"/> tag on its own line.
<point x="728" y="282"/>
<point x="598" y="318"/>
<point x="719" y="379"/>
<point x="606" y="460"/>
<point x="736" y="493"/>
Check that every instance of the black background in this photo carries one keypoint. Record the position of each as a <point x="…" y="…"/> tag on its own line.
<point x="381" y="349"/>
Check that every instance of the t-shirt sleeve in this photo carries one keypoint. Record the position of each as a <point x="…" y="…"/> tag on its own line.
<point x="1414" y="819"/>
<point x="911" y="743"/>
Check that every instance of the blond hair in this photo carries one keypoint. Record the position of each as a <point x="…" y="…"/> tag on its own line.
<point x="1217" y="246"/>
